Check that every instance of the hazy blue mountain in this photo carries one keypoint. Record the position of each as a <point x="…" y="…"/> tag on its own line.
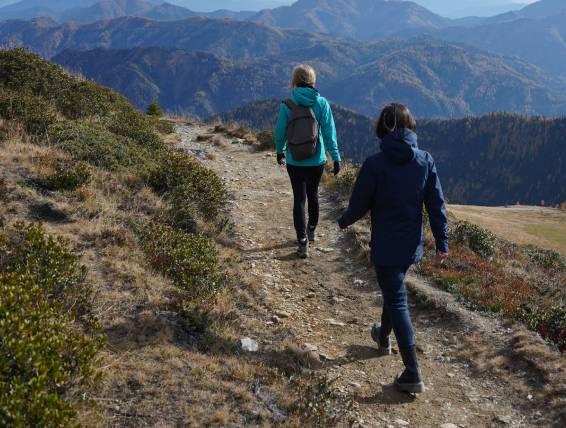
<point x="436" y="79"/>
<point x="463" y="8"/>
<point x="233" y="5"/>
<point x="236" y="39"/>
<point x="362" y="19"/>
<point x="540" y="42"/>
<point x="496" y="159"/>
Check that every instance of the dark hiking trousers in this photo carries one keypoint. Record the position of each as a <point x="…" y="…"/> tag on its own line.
<point x="395" y="314"/>
<point x="305" y="181"/>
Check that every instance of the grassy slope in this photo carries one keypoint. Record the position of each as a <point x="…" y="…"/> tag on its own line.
<point x="543" y="227"/>
<point x="170" y="356"/>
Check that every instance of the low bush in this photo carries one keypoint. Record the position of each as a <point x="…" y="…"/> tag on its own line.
<point x="549" y="322"/>
<point x="188" y="182"/>
<point x="476" y="238"/>
<point x="137" y="127"/>
<point x="164" y="127"/>
<point x="48" y="340"/>
<point x="92" y="143"/>
<point x="154" y="109"/>
<point x="265" y="140"/>
<point x="189" y="260"/>
<point x="546" y="259"/>
<point x="34" y="113"/>
<point x="68" y="176"/>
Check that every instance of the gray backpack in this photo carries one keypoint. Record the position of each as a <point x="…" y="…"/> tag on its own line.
<point x="302" y="131"/>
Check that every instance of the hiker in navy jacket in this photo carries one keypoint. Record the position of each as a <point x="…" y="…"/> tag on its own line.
<point x="394" y="185"/>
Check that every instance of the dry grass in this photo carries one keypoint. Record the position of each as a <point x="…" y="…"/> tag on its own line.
<point x="156" y="370"/>
<point x="543" y="227"/>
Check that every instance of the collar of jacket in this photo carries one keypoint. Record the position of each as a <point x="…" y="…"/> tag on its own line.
<point x="400" y="145"/>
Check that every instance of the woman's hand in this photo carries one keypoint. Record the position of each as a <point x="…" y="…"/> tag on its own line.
<point x="281" y="159"/>
<point x="337" y="168"/>
<point x="440" y="257"/>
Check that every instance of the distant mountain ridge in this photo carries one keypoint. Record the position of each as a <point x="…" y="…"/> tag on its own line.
<point x="436" y="79"/>
<point x="361" y="19"/>
<point x="95" y="10"/>
<point x="495" y="159"/>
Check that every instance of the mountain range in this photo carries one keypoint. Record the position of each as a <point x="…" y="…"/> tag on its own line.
<point x="96" y="10"/>
<point x="495" y="159"/>
<point x="436" y="79"/>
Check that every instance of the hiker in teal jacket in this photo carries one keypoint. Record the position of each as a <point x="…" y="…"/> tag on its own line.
<point x="306" y="174"/>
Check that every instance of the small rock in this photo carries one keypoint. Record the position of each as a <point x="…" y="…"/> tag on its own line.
<point x="355" y="385"/>
<point x="358" y="282"/>
<point x="451" y="375"/>
<point x="283" y="314"/>
<point x="503" y="419"/>
<point x="248" y="344"/>
<point x="325" y="250"/>
<point x="401" y="422"/>
<point x="449" y="425"/>
<point x="275" y="319"/>
<point x="310" y="348"/>
<point x="335" y="323"/>
<point x="530" y="397"/>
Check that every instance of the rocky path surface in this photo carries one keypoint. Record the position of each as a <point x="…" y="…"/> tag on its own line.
<point x="329" y="301"/>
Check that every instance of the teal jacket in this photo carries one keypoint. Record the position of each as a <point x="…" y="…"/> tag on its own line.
<point x="309" y="97"/>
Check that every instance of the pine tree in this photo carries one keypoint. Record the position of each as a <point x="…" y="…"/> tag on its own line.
<point x="154" y="109"/>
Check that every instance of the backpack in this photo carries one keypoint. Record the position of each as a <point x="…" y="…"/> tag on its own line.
<point x="302" y="131"/>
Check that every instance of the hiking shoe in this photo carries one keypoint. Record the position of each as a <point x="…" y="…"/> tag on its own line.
<point x="311" y="233"/>
<point x="410" y="379"/>
<point x="303" y="250"/>
<point x="383" y="345"/>
<point x="410" y="382"/>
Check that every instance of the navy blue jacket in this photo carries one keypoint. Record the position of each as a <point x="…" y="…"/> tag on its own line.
<point x="394" y="184"/>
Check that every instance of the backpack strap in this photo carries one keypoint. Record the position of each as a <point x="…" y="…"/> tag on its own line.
<point x="292" y="106"/>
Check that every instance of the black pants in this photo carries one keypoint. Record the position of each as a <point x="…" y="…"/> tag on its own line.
<point x="305" y="181"/>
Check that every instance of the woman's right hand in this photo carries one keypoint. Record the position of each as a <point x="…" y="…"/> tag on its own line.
<point x="281" y="159"/>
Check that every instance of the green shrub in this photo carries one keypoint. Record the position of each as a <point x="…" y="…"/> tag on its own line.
<point x="34" y="113"/>
<point x="68" y="176"/>
<point x="92" y="143"/>
<point x="27" y="74"/>
<point x="164" y="127"/>
<point x="477" y="239"/>
<point x="188" y="259"/>
<point x="46" y="356"/>
<point x="546" y="259"/>
<point x="188" y="182"/>
<point x="135" y="126"/>
<point x="154" y="109"/>
<point x="549" y="322"/>
<point x="266" y="140"/>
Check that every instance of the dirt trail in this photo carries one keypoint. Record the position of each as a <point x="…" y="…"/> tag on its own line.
<point x="330" y="300"/>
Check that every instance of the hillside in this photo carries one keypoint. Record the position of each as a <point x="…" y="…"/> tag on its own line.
<point x="541" y="42"/>
<point x="496" y="159"/>
<point x="135" y="292"/>
<point x="437" y="79"/>
<point x="523" y="225"/>
<point x="361" y="19"/>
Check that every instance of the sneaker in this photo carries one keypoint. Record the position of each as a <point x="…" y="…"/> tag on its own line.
<point x="410" y="382"/>
<point x="383" y="346"/>
<point x="303" y="250"/>
<point x="311" y="233"/>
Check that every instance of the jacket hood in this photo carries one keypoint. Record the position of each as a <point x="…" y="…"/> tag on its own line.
<point x="400" y="145"/>
<point x="307" y="97"/>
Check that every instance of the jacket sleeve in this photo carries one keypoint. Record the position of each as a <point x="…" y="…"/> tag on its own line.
<point x="328" y="129"/>
<point x="281" y="129"/>
<point x="436" y="208"/>
<point x="362" y="198"/>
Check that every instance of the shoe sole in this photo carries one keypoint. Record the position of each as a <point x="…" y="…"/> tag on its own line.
<point x="411" y="388"/>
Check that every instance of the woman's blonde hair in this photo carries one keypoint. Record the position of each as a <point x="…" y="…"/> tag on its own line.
<point x="303" y="75"/>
